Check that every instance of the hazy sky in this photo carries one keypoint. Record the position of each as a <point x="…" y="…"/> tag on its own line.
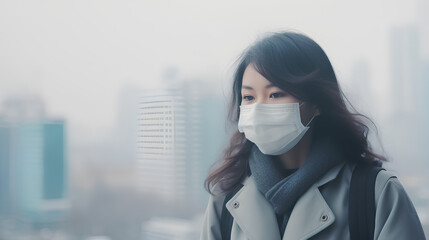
<point x="78" y="55"/>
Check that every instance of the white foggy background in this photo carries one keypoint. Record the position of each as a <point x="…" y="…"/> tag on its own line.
<point x="83" y="58"/>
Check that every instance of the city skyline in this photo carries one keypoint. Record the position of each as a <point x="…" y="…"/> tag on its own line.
<point x="73" y="85"/>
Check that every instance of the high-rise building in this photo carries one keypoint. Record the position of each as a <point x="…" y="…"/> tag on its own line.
<point x="41" y="171"/>
<point x="422" y="18"/>
<point x="407" y="99"/>
<point x="180" y="135"/>
<point x="405" y="65"/>
<point x="160" y="144"/>
<point x="425" y="87"/>
<point x="5" y="178"/>
<point x="33" y="169"/>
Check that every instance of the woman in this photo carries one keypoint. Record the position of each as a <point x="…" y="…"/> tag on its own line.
<point x="288" y="168"/>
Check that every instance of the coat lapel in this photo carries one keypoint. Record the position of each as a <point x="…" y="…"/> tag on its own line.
<point x="311" y="213"/>
<point x="253" y="213"/>
<point x="256" y="218"/>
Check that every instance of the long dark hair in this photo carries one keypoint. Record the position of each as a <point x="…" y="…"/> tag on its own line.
<point x="299" y="66"/>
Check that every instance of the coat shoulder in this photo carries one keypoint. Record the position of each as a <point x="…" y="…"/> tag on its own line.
<point x="396" y="216"/>
<point x="383" y="178"/>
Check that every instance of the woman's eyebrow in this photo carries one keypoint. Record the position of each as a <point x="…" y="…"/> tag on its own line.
<point x="249" y="87"/>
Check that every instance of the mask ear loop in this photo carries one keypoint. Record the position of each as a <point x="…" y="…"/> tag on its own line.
<point x="311" y="118"/>
<point x="310" y="121"/>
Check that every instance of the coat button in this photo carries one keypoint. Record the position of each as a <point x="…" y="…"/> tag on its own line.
<point x="236" y="204"/>
<point x="324" y="218"/>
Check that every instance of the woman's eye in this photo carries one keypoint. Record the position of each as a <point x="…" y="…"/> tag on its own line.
<point x="277" y="95"/>
<point x="248" y="98"/>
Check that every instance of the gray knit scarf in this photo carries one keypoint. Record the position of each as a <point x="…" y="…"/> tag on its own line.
<point x="284" y="192"/>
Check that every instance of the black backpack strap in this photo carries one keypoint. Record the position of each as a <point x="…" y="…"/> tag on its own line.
<point x="362" y="201"/>
<point x="226" y="217"/>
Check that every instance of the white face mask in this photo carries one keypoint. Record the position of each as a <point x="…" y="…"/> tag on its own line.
<point x="274" y="128"/>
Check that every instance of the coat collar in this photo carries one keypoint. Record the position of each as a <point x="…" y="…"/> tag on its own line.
<point x="256" y="217"/>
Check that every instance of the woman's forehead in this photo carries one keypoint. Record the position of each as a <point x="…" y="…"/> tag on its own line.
<point x="252" y="78"/>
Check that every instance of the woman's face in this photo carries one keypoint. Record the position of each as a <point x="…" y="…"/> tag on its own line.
<point x="257" y="89"/>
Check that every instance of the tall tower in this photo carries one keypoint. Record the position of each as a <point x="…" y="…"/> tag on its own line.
<point x="407" y="98"/>
<point x="40" y="170"/>
<point x="5" y="176"/>
<point x="160" y="143"/>
<point x="33" y="154"/>
<point x="405" y="68"/>
<point x="181" y="132"/>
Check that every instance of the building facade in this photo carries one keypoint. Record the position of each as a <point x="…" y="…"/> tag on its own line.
<point x="33" y="163"/>
<point x="180" y="134"/>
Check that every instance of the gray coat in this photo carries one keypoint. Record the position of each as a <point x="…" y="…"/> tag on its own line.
<point x="320" y="213"/>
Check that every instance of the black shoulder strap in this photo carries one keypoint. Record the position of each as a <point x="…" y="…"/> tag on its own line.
<point x="362" y="201"/>
<point x="226" y="217"/>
